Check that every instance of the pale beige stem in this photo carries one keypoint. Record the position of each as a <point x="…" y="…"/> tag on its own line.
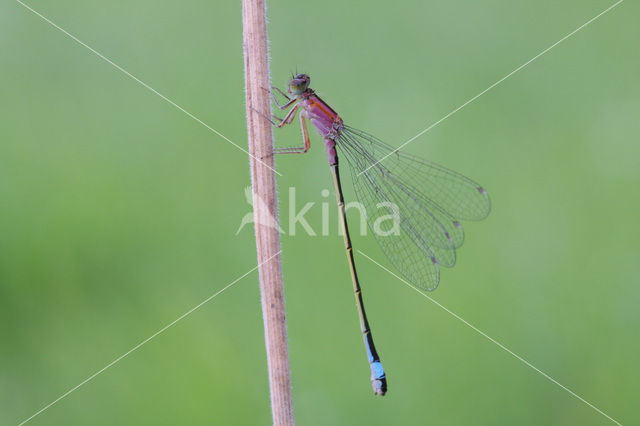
<point x="265" y="208"/>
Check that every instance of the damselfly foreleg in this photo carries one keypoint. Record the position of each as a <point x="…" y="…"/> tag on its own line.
<point x="289" y="100"/>
<point x="280" y="106"/>
<point x="282" y="121"/>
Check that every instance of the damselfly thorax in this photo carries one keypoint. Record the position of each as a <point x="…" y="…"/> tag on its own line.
<point x="325" y="120"/>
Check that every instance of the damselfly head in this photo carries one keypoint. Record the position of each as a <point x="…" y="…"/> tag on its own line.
<point x="299" y="84"/>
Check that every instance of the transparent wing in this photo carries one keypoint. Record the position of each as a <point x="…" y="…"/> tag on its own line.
<point x="427" y="201"/>
<point x="454" y="193"/>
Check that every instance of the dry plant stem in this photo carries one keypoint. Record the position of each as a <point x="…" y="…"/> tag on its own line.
<point x="265" y="208"/>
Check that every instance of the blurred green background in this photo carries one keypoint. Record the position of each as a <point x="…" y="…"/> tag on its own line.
<point x="118" y="213"/>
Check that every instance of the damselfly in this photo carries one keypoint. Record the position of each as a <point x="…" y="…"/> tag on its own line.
<point x="427" y="201"/>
